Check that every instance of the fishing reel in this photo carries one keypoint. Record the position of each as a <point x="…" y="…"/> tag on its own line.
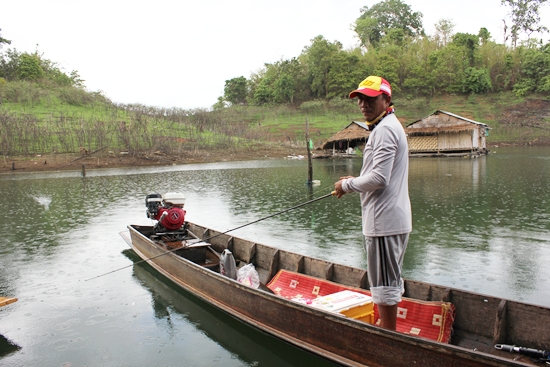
<point x="167" y="210"/>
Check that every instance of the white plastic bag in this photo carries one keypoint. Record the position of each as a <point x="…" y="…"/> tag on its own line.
<point x="248" y="275"/>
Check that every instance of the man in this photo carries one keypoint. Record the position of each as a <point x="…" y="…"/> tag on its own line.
<point x="384" y="193"/>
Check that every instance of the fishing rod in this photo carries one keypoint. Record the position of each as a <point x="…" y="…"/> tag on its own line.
<point x="333" y="193"/>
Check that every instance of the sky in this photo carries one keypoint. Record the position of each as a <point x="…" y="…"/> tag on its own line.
<point x="179" y="53"/>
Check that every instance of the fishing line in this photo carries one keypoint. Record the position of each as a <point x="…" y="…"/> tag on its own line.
<point x="219" y="234"/>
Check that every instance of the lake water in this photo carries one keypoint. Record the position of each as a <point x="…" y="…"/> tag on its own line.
<point x="480" y="224"/>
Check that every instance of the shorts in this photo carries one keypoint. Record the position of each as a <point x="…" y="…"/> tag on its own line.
<point x="384" y="263"/>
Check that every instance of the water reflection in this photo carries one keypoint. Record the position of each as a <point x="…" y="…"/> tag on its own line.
<point x="7" y="347"/>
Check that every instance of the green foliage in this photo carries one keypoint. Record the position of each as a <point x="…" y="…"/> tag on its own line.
<point x="447" y="66"/>
<point x="263" y="93"/>
<point x="235" y="90"/>
<point x="476" y="81"/>
<point x="3" y="41"/>
<point x="414" y="64"/>
<point x="470" y="42"/>
<point x="23" y="92"/>
<point x="534" y="74"/>
<point x="75" y="96"/>
<point x="220" y="104"/>
<point x="29" y="67"/>
<point x="346" y="72"/>
<point x="384" y="17"/>
<point x="484" y="35"/>
<point x="15" y="66"/>
<point x="319" y="59"/>
<point x="285" y="86"/>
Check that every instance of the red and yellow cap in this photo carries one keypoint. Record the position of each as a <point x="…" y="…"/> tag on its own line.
<point x="373" y="86"/>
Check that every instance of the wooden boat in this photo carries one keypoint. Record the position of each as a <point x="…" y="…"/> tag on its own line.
<point x="4" y="301"/>
<point x="479" y="322"/>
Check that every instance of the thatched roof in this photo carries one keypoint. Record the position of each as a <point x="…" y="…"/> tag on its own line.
<point x="437" y="130"/>
<point x="448" y="121"/>
<point x="354" y="131"/>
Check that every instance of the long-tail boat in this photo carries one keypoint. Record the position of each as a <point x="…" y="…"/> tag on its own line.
<point x="437" y="326"/>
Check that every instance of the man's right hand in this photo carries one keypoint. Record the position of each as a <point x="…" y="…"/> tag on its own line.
<point x="338" y="187"/>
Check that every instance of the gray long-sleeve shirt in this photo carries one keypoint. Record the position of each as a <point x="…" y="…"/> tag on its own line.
<point x="384" y="181"/>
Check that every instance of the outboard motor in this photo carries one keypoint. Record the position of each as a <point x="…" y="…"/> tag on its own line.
<point x="167" y="210"/>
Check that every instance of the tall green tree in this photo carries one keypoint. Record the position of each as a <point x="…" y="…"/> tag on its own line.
<point x="235" y="90"/>
<point x="279" y="82"/>
<point x="470" y="42"/>
<point x="447" y="66"/>
<point x="29" y="67"/>
<point x="484" y="35"/>
<point x="375" y="22"/>
<point x="319" y="59"/>
<point x="415" y="74"/>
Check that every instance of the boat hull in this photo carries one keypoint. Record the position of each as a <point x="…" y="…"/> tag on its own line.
<point x="342" y="340"/>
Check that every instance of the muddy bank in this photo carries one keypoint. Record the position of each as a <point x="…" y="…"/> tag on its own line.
<point x="57" y="162"/>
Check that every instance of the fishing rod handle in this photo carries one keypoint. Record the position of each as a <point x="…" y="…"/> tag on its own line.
<point x="522" y="350"/>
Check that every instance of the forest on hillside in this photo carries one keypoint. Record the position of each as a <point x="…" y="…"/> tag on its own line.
<point x="395" y="45"/>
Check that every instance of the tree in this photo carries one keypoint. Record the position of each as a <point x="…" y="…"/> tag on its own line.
<point x="319" y="57"/>
<point x="30" y="67"/>
<point x="235" y="90"/>
<point x="443" y="31"/>
<point x="476" y="81"/>
<point x="289" y="78"/>
<point x="375" y="22"/>
<point x="3" y="41"/>
<point x="470" y="42"/>
<point x="346" y="73"/>
<point x="484" y="35"/>
<point x="279" y="82"/>
<point x="534" y="72"/>
<point x="447" y="68"/>
<point x="220" y="105"/>
<point x="414" y="71"/>
<point x="525" y="17"/>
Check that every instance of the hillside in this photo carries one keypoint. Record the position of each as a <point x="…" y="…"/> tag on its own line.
<point x="48" y="128"/>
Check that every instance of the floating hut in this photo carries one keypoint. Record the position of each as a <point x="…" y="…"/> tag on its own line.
<point x="446" y="134"/>
<point x="345" y="142"/>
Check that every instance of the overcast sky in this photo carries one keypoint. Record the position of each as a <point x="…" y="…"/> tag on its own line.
<point x="179" y="53"/>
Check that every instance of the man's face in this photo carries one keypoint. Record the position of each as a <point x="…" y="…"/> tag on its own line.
<point x="372" y="107"/>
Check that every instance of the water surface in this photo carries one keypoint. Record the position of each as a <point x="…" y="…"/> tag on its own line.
<point x="479" y="224"/>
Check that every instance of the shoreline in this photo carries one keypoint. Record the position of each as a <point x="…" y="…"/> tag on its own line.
<point x="75" y="161"/>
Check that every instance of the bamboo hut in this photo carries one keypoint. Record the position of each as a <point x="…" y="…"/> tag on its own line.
<point x="446" y="134"/>
<point x="345" y="142"/>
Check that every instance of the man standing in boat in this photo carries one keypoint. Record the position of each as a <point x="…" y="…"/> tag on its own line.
<point x="384" y="192"/>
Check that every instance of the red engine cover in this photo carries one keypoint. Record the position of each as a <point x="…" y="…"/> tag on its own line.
<point x="174" y="218"/>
